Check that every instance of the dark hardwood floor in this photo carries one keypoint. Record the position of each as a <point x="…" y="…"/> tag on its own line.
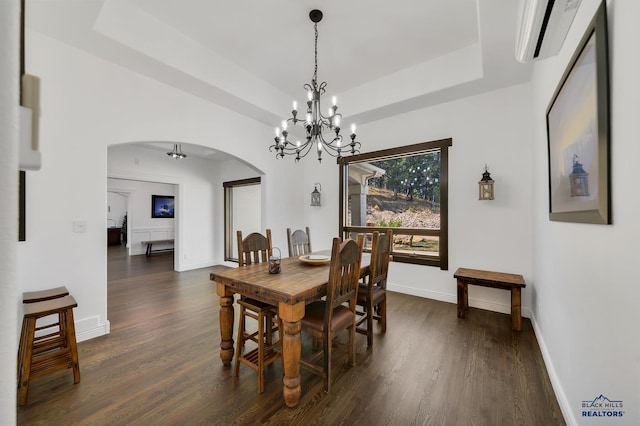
<point x="161" y="365"/>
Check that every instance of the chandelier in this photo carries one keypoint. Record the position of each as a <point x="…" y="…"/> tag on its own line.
<point x="314" y="122"/>
<point x="177" y="152"/>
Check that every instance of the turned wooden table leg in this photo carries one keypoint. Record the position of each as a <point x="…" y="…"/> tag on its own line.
<point x="226" y="324"/>
<point x="516" y="314"/>
<point x="463" y="298"/>
<point x="291" y="349"/>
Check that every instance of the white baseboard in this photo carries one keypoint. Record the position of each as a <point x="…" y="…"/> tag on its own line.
<point x="88" y="328"/>
<point x="453" y="298"/>
<point x="565" y="407"/>
<point x="428" y="294"/>
<point x="188" y="266"/>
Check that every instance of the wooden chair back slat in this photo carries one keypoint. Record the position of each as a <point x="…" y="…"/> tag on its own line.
<point x="372" y="296"/>
<point x="299" y="242"/>
<point x="344" y="273"/>
<point x="255" y="248"/>
<point x="380" y="255"/>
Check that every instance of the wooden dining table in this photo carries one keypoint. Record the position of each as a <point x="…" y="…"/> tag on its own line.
<point x="297" y="285"/>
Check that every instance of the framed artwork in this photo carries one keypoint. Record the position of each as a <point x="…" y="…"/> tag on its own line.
<point x="578" y="132"/>
<point x="162" y="206"/>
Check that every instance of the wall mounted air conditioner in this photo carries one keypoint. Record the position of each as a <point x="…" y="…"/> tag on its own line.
<point x="29" y="156"/>
<point x="543" y="27"/>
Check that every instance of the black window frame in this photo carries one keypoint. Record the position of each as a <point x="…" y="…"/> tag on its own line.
<point x="229" y="233"/>
<point x="442" y="145"/>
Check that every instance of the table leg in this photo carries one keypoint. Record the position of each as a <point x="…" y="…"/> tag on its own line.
<point x="226" y="324"/>
<point x="463" y="298"/>
<point x="516" y="314"/>
<point x="291" y="349"/>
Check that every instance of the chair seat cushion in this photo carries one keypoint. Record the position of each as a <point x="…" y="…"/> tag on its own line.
<point x="378" y="295"/>
<point x="314" y="317"/>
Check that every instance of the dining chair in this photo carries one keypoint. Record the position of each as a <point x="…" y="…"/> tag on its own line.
<point x="324" y="318"/>
<point x="372" y="296"/>
<point x="299" y="242"/>
<point x="256" y="248"/>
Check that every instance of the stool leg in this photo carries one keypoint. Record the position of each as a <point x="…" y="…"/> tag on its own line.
<point x="26" y="360"/>
<point x="62" y="323"/>
<point x="21" y="348"/>
<point x="70" y="335"/>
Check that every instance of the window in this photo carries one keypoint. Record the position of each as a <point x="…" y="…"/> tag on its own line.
<point x="242" y="211"/>
<point x="403" y="189"/>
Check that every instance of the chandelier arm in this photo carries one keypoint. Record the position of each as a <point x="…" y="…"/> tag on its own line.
<point x="290" y="148"/>
<point x="305" y="148"/>
<point x="333" y="152"/>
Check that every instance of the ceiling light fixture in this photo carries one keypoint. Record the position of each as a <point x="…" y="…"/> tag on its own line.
<point x="314" y="121"/>
<point x="177" y="152"/>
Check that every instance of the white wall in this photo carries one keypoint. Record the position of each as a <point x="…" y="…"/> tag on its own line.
<point x="88" y="105"/>
<point x="142" y="227"/>
<point x="581" y="289"/>
<point x="116" y="209"/>
<point x="493" y="128"/>
<point x="9" y="101"/>
<point x="586" y="286"/>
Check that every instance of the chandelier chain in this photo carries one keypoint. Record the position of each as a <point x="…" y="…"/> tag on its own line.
<point x="315" y="70"/>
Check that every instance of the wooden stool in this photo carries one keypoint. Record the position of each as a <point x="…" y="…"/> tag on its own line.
<point x="266" y="351"/>
<point x="54" y="350"/>
<point x="39" y="296"/>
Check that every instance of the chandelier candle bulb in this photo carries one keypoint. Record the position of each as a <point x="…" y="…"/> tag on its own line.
<point x="295" y="105"/>
<point x="353" y="128"/>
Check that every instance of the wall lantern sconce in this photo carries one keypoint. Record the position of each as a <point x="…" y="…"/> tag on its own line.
<point x="578" y="179"/>
<point x="315" y="195"/>
<point x="485" y="186"/>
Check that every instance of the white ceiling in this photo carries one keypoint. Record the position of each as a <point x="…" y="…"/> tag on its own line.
<point x="380" y="58"/>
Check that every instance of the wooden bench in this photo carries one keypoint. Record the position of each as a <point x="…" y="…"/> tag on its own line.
<point x="501" y="280"/>
<point x="150" y="244"/>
